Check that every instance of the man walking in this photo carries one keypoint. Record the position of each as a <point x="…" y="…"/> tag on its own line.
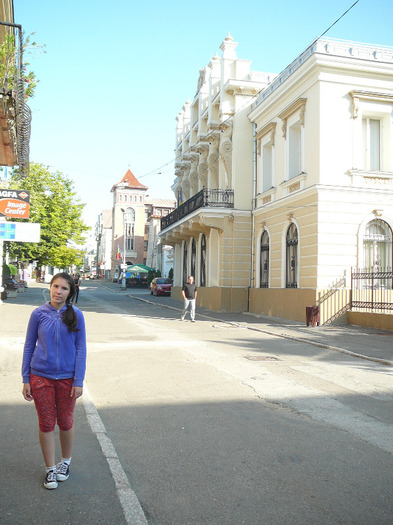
<point x="189" y="293"/>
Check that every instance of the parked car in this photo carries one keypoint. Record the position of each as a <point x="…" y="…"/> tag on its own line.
<point x="161" y="286"/>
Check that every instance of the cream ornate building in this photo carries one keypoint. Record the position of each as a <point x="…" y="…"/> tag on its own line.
<point x="284" y="183"/>
<point x="211" y="228"/>
<point x="324" y="177"/>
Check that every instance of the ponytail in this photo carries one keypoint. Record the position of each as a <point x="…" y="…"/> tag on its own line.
<point x="69" y="317"/>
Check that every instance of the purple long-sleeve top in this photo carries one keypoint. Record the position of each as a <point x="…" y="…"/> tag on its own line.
<point x="51" y="350"/>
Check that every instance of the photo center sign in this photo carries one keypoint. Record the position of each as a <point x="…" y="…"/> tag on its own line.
<point x="15" y="203"/>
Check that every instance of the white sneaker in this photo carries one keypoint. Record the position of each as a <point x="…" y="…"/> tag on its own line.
<point x="63" y="471"/>
<point x="51" y="480"/>
<point x="182" y="318"/>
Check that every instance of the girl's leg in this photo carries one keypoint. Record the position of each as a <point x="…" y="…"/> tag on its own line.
<point x="47" y="442"/>
<point x="66" y="442"/>
<point x="43" y="393"/>
<point x="65" y="416"/>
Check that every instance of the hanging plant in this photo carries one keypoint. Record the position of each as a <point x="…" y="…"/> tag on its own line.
<point x="9" y="66"/>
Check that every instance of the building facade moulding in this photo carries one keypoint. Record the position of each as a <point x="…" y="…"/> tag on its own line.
<point x="197" y="225"/>
<point x="203" y="167"/>
<point x="370" y="96"/>
<point x="214" y="223"/>
<point x="213" y="157"/>
<point x="298" y="106"/>
<point x="269" y="129"/>
<point x="226" y="150"/>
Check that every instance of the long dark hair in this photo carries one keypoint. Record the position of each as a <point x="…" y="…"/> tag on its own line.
<point x="69" y="316"/>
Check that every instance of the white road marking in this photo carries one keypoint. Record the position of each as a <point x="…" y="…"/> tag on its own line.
<point x="132" y="509"/>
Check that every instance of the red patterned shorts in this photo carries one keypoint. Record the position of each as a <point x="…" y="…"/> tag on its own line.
<point x="53" y="402"/>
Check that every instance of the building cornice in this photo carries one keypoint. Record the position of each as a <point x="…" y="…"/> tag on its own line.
<point x="345" y="51"/>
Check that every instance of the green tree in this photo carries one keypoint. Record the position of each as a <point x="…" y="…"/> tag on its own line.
<point x="64" y="256"/>
<point x="53" y="203"/>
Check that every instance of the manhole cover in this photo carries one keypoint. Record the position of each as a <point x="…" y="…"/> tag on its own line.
<point x="261" y="358"/>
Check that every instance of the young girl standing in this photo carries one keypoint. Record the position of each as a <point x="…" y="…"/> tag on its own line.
<point x="53" y="370"/>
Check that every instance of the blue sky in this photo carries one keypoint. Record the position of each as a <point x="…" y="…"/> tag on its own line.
<point x="116" y="74"/>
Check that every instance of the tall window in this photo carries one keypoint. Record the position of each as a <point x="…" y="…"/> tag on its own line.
<point x="130" y="237"/>
<point x="267" y="166"/>
<point x="377" y="245"/>
<point x="193" y="258"/>
<point x="203" y="260"/>
<point x="129" y="228"/>
<point x="294" y="150"/>
<point x="266" y="138"/>
<point x="371" y="129"/>
<point x="291" y="257"/>
<point x="264" y="261"/>
<point x="185" y="254"/>
<point x="293" y="120"/>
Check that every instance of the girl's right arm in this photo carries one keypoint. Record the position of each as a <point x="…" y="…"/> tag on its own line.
<point x="26" y="391"/>
<point x="30" y="343"/>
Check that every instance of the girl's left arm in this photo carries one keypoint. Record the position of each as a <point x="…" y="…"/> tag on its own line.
<point x="80" y="347"/>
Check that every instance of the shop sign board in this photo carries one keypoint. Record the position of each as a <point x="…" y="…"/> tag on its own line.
<point x="14" y="203"/>
<point x="20" y="231"/>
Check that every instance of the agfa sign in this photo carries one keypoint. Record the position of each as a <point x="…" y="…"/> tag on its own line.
<point x="15" y="203"/>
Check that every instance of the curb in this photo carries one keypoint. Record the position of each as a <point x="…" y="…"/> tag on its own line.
<point x="386" y="362"/>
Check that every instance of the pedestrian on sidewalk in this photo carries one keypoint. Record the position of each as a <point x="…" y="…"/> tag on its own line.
<point x="53" y="370"/>
<point x="189" y="293"/>
<point x="77" y="285"/>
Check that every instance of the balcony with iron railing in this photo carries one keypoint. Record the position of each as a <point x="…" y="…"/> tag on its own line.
<point x="205" y="198"/>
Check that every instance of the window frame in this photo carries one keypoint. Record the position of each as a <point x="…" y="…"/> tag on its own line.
<point x="266" y="141"/>
<point x="203" y="261"/>
<point x="372" y="243"/>
<point x="293" y="117"/>
<point x="372" y="106"/>
<point x="264" y="260"/>
<point x="291" y="257"/>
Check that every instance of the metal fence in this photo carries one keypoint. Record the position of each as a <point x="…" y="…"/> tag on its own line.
<point x="372" y="289"/>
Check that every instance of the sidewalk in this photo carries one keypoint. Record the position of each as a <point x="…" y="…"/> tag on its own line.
<point x="365" y="343"/>
<point x="90" y="495"/>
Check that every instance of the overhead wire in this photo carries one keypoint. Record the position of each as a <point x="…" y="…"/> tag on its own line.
<point x="154" y="172"/>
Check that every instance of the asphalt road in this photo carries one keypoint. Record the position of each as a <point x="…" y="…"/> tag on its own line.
<point x="204" y="423"/>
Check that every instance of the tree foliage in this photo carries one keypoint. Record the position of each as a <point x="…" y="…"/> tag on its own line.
<point x="53" y="203"/>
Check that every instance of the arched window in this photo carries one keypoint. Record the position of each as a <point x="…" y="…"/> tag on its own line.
<point x="193" y="258"/>
<point x="264" y="261"/>
<point x="203" y="260"/>
<point x="185" y="263"/>
<point x="291" y="257"/>
<point x="377" y="245"/>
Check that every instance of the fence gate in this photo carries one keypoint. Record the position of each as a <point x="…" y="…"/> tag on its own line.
<point x="372" y="289"/>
